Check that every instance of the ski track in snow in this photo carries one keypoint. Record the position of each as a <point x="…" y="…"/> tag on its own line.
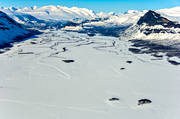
<point x="60" y="72"/>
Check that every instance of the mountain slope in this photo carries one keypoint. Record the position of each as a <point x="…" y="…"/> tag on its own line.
<point x="152" y="26"/>
<point x="22" y="18"/>
<point x="172" y="14"/>
<point x="61" y="13"/>
<point x="152" y="18"/>
<point x="58" y="12"/>
<point x="10" y="30"/>
<point x="140" y="24"/>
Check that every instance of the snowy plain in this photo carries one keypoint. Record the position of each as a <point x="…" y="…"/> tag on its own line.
<point x="35" y="83"/>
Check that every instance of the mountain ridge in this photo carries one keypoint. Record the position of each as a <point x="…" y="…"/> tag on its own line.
<point x="130" y="24"/>
<point x="11" y="31"/>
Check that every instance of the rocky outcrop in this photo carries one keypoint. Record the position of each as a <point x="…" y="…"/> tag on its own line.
<point x="154" y="23"/>
<point x="152" y="18"/>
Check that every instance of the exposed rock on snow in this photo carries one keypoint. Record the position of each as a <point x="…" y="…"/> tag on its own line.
<point x="174" y="60"/>
<point x="122" y="68"/>
<point x="144" y="101"/>
<point x="129" y="62"/>
<point x="153" y="48"/>
<point x="68" y="61"/>
<point x="114" y="99"/>
<point x="135" y="50"/>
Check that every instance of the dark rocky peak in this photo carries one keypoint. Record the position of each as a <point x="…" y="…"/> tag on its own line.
<point x="152" y="18"/>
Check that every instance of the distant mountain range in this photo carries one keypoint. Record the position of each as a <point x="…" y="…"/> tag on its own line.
<point x="146" y="25"/>
<point x="53" y="13"/>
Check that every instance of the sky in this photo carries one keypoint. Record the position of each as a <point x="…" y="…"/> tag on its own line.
<point x="96" y="5"/>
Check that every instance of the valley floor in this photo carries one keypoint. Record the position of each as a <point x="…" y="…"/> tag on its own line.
<point x="67" y="75"/>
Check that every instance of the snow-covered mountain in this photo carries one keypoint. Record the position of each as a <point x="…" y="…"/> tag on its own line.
<point x="10" y="30"/>
<point x="172" y="14"/>
<point x="128" y="18"/>
<point x="57" y="12"/>
<point x="62" y="13"/>
<point x="153" y="26"/>
<point x="160" y="26"/>
<point x="133" y="24"/>
<point x="22" y="18"/>
<point x="110" y="24"/>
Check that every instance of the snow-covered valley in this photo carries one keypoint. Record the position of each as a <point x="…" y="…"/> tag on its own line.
<point x="65" y="75"/>
<point x="85" y="65"/>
